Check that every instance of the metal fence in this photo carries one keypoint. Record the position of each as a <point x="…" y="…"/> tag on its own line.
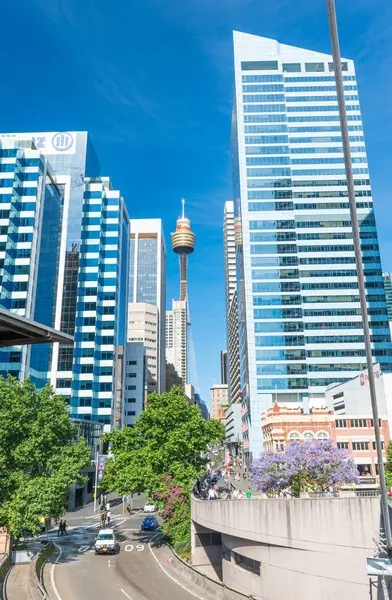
<point x="368" y="493"/>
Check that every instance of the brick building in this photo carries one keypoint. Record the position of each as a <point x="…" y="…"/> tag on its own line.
<point x="284" y="424"/>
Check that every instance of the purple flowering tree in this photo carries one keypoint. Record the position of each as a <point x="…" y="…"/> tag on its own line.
<point x="313" y="466"/>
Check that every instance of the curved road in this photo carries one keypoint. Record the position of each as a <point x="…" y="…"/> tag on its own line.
<point x="133" y="573"/>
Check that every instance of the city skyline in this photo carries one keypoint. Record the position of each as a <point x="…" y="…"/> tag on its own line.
<point x="124" y="106"/>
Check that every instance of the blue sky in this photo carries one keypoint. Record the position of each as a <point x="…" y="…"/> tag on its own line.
<point x="151" y="80"/>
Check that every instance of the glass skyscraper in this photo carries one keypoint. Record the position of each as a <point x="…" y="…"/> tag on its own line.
<point x="30" y="216"/>
<point x="300" y="326"/>
<point x="147" y="297"/>
<point x="62" y="241"/>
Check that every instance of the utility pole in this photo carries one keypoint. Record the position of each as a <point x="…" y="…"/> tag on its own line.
<point x="333" y="29"/>
<point x="96" y="481"/>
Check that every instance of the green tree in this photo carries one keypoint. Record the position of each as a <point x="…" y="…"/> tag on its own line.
<point x="40" y="455"/>
<point x="169" y="438"/>
<point x="388" y="466"/>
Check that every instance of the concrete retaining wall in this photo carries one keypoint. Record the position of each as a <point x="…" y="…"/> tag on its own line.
<point x="219" y="590"/>
<point x="5" y="565"/>
<point x="35" y="587"/>
<point x="308" y="549"/>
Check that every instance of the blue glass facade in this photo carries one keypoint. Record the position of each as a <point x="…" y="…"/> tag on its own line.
<point x="100" y="325"/>
<point x="64" y="262"/>
<point x="296" y="249"/>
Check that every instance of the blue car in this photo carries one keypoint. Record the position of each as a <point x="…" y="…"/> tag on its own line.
<point x="150" y="523"/>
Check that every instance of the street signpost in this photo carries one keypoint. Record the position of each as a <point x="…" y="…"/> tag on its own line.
<point x="100" y="464"/>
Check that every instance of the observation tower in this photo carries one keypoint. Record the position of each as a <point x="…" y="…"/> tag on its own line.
<point x="183" y="243"/>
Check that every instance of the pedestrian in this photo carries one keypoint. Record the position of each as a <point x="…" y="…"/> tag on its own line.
<point x="104" y="519"/>
<point x="64" y="528"/>
<point x="249" y="493"/>
<point x="235" y="494"/>
<point x="227" y="494"/>
<point x="109" y="516"/>
<point x="212" y="494"/>
<point x="60" y="528"/>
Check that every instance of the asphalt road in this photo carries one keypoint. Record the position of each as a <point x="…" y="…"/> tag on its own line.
<point x="132" y="573"/>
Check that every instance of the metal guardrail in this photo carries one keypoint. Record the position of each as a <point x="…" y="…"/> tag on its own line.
<point x="323" y="494"/>
<point x="367" y="493"/>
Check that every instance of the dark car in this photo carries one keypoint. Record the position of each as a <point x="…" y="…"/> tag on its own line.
<point x="150" y="523"/>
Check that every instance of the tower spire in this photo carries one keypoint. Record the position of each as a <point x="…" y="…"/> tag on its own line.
<point x="183" y="207"/>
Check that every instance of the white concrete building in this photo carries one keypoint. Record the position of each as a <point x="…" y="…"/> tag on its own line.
<point x="353" y="397"/>
<point x="176" y="338"/>
<point x="143" y="327"/>
<point x="134" y="366"/>
<point x="147" y="285"/>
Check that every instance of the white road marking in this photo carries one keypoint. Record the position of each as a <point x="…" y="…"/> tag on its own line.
<point x="109" y="563"/>
<point x="168" y="574"/>
<point x="83" y="548"/>
<point x="128" y="548"/>
<point x="52" y="572"/>
<point x="125" y="593"/>
<point x="116" y="524"/>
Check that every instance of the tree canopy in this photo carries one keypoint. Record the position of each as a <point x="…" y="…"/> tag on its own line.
<point x="388" y="466"/>
<point x="169" y="438"/>
<point x="40" y="455"/>
<point x="312" y="466"/>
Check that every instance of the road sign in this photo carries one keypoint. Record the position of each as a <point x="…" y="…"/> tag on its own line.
<point x="379" y="566"/>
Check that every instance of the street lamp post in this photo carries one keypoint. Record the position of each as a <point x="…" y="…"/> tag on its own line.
<point x="333" y="28"/>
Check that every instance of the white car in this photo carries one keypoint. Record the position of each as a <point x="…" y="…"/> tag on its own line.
<point x="149" y="507"/>
<point x="105" y="542"/>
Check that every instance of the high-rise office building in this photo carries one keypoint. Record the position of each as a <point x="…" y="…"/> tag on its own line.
<point x="74" y="266"/>
<point x="143" y="326"/>
<point x="147" y="297"/>
<point x="300" y="326"/>
<point x="30" y="214"/>
<point x="233" y="368"/>
<point x="176" y="338"/>
<point x="388" y="295"/>
<point x="224" y="366"/>
<point x="229" y="252"/>
<point x="135" y="371"/>
<point x="101" y="323"/>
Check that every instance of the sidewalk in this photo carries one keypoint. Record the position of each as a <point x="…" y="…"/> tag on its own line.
<point x="16" y="582"/>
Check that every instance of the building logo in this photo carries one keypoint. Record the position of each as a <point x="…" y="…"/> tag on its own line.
<point x="364" y="377"/>
<point x="62" y="141"/>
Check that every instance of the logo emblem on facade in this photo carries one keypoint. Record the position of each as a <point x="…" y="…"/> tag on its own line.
<point x="62" y="141"/>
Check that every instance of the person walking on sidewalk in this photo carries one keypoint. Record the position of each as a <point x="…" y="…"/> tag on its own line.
<point x="64" y="530"/>
<point x="60" y="529"/>
<point x="109" y="516"/>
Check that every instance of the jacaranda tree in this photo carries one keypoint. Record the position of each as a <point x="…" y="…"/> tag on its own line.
<point x="311" y="466"/>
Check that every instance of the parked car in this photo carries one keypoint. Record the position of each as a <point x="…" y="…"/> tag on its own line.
<point x="105" y="542"/>
<point x="149" y="523"/>
<point x="149" y="507"/>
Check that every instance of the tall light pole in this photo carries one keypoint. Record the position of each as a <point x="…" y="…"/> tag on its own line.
<point x="333" y="29"/>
